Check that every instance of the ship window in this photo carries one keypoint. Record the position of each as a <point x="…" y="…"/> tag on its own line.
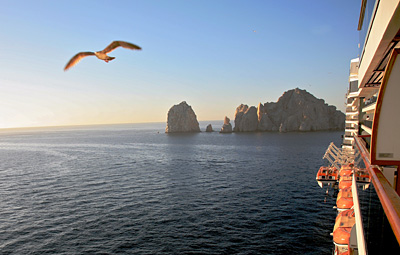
<point x="366" y="18"/>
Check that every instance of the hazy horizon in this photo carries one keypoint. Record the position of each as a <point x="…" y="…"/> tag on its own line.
<point x="110" y="124"/>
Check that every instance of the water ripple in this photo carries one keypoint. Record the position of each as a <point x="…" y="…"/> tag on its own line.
<point x="140" y="192"/>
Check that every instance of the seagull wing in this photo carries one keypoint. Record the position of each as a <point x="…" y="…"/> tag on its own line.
<point x="75" y="59"/>
<point x="123" y="44"/>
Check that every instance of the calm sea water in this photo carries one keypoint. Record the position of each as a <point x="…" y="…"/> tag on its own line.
<point x="132" y="189"/>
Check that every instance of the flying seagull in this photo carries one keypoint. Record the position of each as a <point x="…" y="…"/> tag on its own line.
<point x="101" y="54"/>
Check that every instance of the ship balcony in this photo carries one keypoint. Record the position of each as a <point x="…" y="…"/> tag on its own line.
<point x="369" y="108"/>
<point x="350" y="132"/>
<point x="351" y="102"/>
<point x="355" y="101"/>
<point x="348" y="140"/>
<point x="352" y="121"/>
<point x="352" y="113"/>
<point x="379" y="24"/>
<point x="354" y="94"/>
<point x="351" y="118"/>
<point x="352" y="125"/>
<point x="371" y="99"/>
<point x="366" y="125"/>
<point x="351" y="108"/>
<point x="351" y="128"/>
<point x="347" y="146"/>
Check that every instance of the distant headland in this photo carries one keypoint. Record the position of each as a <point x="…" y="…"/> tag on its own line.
<point x="295" y="110"/>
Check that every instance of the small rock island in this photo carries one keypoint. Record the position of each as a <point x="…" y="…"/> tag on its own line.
<point x="227" y="127"/>
<point x="182" y="119"/>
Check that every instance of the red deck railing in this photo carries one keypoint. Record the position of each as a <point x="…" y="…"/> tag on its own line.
<point x="390" y="200"/>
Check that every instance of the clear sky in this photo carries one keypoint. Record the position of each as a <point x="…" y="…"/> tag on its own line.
<point x="213" y="54"/>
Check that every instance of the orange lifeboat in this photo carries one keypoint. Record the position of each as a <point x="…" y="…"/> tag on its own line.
<point x="344" y="199"/>
<point x="346" y="170"/>
<point x="326" y="175"/>
<point x="343" y="225"/>
<point x="362" y="176"/>
<point x="345" y="181"/>
<point x="341" y="250"/>
<point x="347" y="166"/>
<point x="344" y="184"/>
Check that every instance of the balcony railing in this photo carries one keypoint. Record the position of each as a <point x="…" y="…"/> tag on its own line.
<point x="388" y="197"/>
<point x="367" y="123"/>
<point x="369" y="108"/>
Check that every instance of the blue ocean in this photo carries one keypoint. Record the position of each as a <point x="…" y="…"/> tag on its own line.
<point x="133" y="189"/>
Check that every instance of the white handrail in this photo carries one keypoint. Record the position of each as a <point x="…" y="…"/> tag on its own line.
<point x="362" y="250"/>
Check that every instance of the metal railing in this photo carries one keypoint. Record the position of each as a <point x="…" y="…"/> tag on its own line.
<point x="361" y="246"/>
<point x="338" y="157"/>
<point x="388" y="197"/>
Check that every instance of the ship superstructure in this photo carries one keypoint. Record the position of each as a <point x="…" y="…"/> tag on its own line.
<point x="368" y="219"/>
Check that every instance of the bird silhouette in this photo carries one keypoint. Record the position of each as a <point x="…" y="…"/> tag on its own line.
<point x="101" y="54"/>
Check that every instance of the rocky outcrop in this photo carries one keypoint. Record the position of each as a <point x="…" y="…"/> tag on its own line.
<point x="295" y="110"/>
<point x="209" y="128"/>
<point x="181" y="118"/>
<point x="227" y="127"/>
<point x="240" y="110"/>
<point x="246" y="119"/>
<point x="265" y="123"/>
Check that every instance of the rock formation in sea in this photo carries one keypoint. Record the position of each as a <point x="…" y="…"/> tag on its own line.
<point x="181" y="118"/>
<point x="246" y="119"/>
<point x="295" y="110"/>
<point x="227" y="127"/>
<point x="209" y="128"/>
